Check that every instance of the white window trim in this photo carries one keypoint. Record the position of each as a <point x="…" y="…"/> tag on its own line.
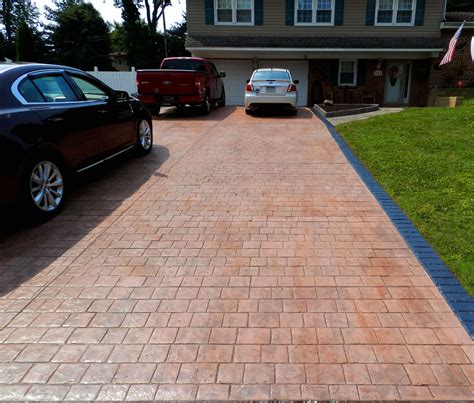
<point x="314" y="23"/>
<point x="354" y="83"/>
<point x="394" y="22"/>
<point x="234" y="15"/>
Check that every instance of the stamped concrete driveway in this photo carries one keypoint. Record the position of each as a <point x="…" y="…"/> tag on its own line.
<point x="243" y="259"/>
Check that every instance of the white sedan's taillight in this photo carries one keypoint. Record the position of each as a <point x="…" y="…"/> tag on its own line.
<point x="249" y="88"/>
<point x="292" y="88"/>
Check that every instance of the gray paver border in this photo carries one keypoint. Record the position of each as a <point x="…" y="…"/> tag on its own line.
<point x="456" y="296"/>
<point x="356" y="110"/>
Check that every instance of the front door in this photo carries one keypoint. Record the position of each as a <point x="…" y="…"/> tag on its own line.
<point x="397" y="82"/>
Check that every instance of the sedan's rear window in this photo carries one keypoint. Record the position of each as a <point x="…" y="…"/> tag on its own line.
<point x="184" y="64"/>
<point x="55" y="88"/>
<point x="28" y="91"/>
<point x="270" y="75"/>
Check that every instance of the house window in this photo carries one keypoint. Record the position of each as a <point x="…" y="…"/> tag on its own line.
<point x="317" y="12"/>
<point x="234" y="12"/>
<point x="395" y="12"/>
<point x="347" y="72"/>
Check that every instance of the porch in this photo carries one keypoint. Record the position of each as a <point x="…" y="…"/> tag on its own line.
<point x="369" y="81"/>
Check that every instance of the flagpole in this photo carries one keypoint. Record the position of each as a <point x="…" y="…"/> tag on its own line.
<point x="163" y="6"/>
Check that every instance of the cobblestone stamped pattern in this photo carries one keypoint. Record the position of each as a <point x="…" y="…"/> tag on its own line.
<point x="244" y="259"/>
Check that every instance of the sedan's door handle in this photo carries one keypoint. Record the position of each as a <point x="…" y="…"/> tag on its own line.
<point x="56" y="120"/>
<point x="102" y="111"/>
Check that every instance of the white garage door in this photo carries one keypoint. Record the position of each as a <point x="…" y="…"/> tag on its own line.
<point x="237" y="74"/>
<point x="299" y="71"/>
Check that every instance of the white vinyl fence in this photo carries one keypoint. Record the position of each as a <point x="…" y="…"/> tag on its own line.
<point x="118" y="80"/>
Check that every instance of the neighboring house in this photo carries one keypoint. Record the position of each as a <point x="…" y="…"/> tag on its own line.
<point x="460" y="72"/>
<point x="370" y="50"/>
<point x="119" y="61"/>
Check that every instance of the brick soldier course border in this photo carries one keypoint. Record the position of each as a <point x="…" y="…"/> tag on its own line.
<point x="457" y="297"/>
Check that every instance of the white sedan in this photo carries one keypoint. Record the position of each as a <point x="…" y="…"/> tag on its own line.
<point x="271" y="87"/>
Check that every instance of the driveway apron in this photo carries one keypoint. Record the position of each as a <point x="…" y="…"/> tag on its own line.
<point x="243" y="259"/>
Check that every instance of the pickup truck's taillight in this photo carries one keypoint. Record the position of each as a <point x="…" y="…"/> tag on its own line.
<point x="249" y="88"/>
<point x="197" y="83"/>
<point x="292" y="88"/>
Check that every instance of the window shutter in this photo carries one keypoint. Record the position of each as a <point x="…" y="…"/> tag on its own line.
<point x="420" y="12"/>
<point x="361" y="72"/>
<point x="258" y="12"/>
<point x="339" y="14"/>
<point x="290" y="12"/>
<point x="209" y="5"/>
<point x="370" y="14"/>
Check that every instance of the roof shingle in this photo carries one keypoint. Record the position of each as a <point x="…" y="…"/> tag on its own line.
<point x="317" y="42"/>
<point x="458" y="16"/>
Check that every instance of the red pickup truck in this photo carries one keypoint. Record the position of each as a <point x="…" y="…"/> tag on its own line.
<point x="181" y="81"/>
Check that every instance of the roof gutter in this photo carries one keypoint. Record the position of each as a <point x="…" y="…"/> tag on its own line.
<point x="457" y="24"/>
<point x="372" y="50"/>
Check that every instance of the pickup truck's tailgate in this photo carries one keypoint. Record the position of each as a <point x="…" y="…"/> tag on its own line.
<point x="167" y="82"/>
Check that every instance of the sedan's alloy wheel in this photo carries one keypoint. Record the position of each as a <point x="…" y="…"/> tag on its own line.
<point x="46" y="186"/>
<point x="144" y="133"/>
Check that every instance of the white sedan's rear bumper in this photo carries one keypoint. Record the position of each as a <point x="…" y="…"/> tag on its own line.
<point x="254" y="100"/>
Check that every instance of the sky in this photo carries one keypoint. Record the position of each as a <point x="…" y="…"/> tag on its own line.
<point x="111" y="13"/>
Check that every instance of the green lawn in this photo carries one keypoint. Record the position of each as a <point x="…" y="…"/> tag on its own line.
<point x="424" y="158"/>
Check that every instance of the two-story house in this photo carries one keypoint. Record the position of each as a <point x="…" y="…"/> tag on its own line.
<point x="370" y="50"/>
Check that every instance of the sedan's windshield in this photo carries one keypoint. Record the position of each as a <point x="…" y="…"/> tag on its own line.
<point x="270" y="75"/>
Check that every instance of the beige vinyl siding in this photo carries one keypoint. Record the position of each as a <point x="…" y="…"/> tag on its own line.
<point x="354" y="22"/>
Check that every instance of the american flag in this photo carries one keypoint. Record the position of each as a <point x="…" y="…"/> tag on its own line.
<point x="448" y="57"/>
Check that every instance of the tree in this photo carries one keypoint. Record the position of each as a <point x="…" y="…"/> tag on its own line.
<point x="12" y="13"/>
<point x="53" y="13"/>
<point x="80" y="36"/>
<point x="26" y="10"/>
<point x="2" y="47"/>
<point x="7" y="19"/>
<point x="138" y="42"/>
<point x="139" y="50"/>
<point x="141" y="41"/>
<point x="26" y="50"/>
<point x="153" y="10"/>
<point x="177" y="39"/>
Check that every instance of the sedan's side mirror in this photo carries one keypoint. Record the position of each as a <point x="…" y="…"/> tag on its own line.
<point x="122" y="94"/>
<point x="296" y="81"/>
<point x="247" y="81"/>
<point x="222" y="74"/>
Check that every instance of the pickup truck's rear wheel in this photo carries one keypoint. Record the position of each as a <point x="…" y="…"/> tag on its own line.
<point x="221" y="101"/>
<point x="206" y="104"/>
